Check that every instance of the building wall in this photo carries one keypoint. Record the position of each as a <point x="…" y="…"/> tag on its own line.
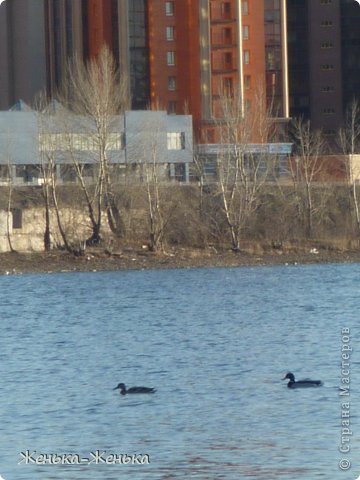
<point x="254" y="19"/>
<point x="298" y="58"/>
<point x="350" y="50"/>
<point x="147" y="136"/>
<point x="174" y="61"/>
<point x="324" y="56"/>
<point x="325" y="65"/>
<point x="22" y="51"/>
<point x="28" y="235"/>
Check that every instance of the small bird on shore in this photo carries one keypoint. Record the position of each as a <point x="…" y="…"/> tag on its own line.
<point x="301" y="383"/>
<point x="133" y="390"/>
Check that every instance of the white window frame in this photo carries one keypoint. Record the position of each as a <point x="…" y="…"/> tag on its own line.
<point x="170" y="58"/>
<point x="170" y="33"/>
<point x="246" y="57"/>
<point x="172" y="83"/>
<point x="169" y="9"/>
<point x="246" y="32"/>
<point x="176" y="140"/>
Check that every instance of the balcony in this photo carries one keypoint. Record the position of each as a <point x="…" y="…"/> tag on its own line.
<point x="222" y="20"/>
<point x="222" y="40"/>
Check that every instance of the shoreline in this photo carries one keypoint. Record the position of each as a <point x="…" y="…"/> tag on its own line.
<point x="96" y="260"/>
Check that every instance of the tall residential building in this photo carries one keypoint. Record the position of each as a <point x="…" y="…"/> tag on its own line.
<point x="324" y="60"/>
<point x="200" y="49"/>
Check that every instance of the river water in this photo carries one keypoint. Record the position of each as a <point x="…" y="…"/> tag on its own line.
<point x="215" y="343"/>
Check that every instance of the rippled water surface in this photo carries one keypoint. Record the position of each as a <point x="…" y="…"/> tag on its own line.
<point x="214" y="342"/>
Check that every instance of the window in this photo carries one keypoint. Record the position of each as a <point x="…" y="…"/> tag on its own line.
<point x="169" y="9"/>
<point x="326" y="23"/>
<point x="180" y="172"/>
<point x="247" y="105"/>
<point x="226" y="10"/>
<point x="172" y="107"/>
<point x="26" y="172"/>
<point x="116" y="141"/>
<point x="170" y="58"/>
<point x="16" y="218"/>
<point x="327" y="67"/>
<point x="245" y="32"/>
<point x="228" y="60"/>
<point x="210" y="135"/>
<point x="328" y="111"/>
<point x="245" y="8"/>
<point x="228" y="86"/>
<point x="246" y="57"/>
<point x="327" y="45"/>
<point x="325" y="2"/>
<point x="227" y="36"/>
<point x="247" y="82"/>
<point x="4" y="172"/>
<point x="329" y="132"/>
<point x="327" y="89"/>
<point x="68" y="173"/>
<point x="169" y="33"/>
<point x="176" y="140"/>
<point x="172" y="83"/>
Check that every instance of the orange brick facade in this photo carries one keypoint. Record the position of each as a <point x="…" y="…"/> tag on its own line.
<point x="197" y="50"/>
<point x="174" y="57"/>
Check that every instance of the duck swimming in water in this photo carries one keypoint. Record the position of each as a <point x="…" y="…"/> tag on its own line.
<point x="124" y="390"/>
<point x="301" y="383"/>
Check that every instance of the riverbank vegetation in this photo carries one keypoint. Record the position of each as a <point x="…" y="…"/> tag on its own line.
<point x="247" y="206"/>
<point x="193" y="217"/>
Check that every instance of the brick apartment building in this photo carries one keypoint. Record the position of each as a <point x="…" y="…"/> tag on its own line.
<point x="199" y="49"/>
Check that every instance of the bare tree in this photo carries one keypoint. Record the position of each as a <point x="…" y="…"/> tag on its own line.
<point x="154" y="205"/>
<point x="44" y="115"/>
<point x="151" y="172"/>
<point x="6" y="166"/>
<point x="349" y="137"/>
<point x="97" y="93"/>
<point x="242" y="172"/>
<point x="306" y="169"/>
<point x="9" y="213"/>
<point x="51" y="142"/>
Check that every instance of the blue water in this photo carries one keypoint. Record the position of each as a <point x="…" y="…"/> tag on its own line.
<point x="214" y="342"/>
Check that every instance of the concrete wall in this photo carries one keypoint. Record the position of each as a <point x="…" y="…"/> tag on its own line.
<point x="30" y="237"/>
